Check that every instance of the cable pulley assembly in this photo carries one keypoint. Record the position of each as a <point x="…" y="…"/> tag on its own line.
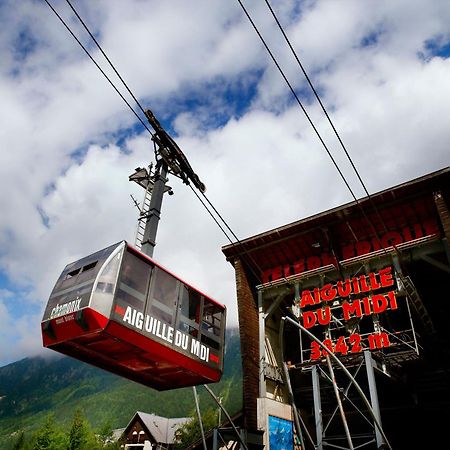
<point x="172" y="155"/>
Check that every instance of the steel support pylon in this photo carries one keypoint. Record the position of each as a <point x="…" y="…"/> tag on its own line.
<point x="370" y="412"/>
<point x="322" y="439"/>
<point x="154" y="212"/>
<point x="373" y="395"/>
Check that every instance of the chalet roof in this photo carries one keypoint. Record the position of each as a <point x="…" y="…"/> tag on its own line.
<point x="117" y="433"/>
<point x="161" y="428"/>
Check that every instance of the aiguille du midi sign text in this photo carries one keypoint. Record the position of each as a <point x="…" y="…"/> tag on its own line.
<point x="372" y="303"/>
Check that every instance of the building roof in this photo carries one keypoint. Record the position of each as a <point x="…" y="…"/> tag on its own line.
<point x="287" y="242"/>
<point x="161" y="428"/>
<point x="116" y="434"/>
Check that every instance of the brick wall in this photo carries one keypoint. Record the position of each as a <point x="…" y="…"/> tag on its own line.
<point x="249" y="334"/>
<point x="444" y="213"/>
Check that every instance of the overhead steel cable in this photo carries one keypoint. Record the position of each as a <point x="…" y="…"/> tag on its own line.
<point x="221" y="218"/>
<point x="211" y="214"/>
<point x="238" y="241"/>
<point x="315" y="94"/>
<point x="142" y="122"/>
<point x="358" y="203"/>
<point x="154" y="138"/>
<point x="98" y="66"/>
<point x="319" y="100"/>
<point x="105" y="55"/>
<point x="344" y="148"/>
<point x="300" y="104"/>
<point x="161" y="137"/>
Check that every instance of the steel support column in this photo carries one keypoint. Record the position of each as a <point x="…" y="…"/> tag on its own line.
<point x="154" y="213"/>
<point x="197" y="408"/>
<point x="215" y="439"/>
<point x="373" y="395"/>
<point x="262" y="350"/>
<point x="317" y="407"/>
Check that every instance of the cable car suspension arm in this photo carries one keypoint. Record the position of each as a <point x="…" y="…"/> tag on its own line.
<point x="172" y="155"/>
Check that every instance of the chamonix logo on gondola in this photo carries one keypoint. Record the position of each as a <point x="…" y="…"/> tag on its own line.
<point x="167" y="333"/>
<point x="65" y="308"/>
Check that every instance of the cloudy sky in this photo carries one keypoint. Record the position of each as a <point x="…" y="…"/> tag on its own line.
<point x="69" y="143"/>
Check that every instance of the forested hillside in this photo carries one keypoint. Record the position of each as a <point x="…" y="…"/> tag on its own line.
<point x="33" y="388"/>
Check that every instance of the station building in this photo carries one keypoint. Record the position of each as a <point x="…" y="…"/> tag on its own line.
<point x="344" y="324"/>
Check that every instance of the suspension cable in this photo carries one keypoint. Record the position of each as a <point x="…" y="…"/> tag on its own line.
<point x="358" y="203"/>
<point x="105" y="55"/>
<point x="319" y="100"/>
<point x="211" y="393"/>
<point x="300" y="104"/>
<point x="248" y="256"/>
<point x="97" y="65"/>
<point x="138" y="117"/>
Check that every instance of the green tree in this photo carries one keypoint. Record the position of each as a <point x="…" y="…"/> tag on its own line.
<point x="190" y="432"/>
<point x="82" y="437"/>
<point x="48" y="436"/>
<point x="79" y="432"/>
<point x="104" y="437"/>
<point x="19" y="442"/>
<point x="104" y="433"/>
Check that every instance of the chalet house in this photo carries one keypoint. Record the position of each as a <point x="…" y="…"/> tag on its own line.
<point x="151" y="432"/>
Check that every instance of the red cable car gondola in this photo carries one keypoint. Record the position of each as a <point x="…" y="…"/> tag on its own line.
<point x="119" y="310"/>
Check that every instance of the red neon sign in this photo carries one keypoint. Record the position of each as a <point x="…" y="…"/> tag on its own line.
<point x="428" y="227"/>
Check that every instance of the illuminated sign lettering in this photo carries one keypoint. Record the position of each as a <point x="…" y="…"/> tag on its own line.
<point x="428" y="227"/>
<point x="348" y="299"/>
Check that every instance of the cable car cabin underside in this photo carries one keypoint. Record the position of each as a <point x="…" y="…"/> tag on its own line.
<point x="119" y="310"/>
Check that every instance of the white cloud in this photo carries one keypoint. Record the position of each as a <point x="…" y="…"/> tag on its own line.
<point x="19" y="335"/>
<point x="263" y="168"/>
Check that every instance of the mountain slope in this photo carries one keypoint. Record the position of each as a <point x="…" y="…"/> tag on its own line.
<point x="34" y="387"/>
